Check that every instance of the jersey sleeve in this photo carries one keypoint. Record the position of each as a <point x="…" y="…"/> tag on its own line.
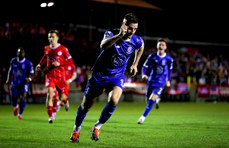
<point x="170" y="68"/>
<point x="67" y="54"/>
<point x="11" y="64"/>
<point x="43" y="60"/>
<point x="31" y="69"/>
<point x="140" y="42"/>
<point x="73" y="67"/>
<point x="107" y="34"/>
<point x="147" y="62"/>
<point x="146" y="65"/>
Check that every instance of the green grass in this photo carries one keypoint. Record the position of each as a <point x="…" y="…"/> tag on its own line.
<point x="193" y="125"/>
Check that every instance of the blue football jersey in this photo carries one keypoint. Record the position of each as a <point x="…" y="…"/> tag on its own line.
<point x="20" y="70"/>
<point x="113" y="62"/>
<point x="158" y="68"/>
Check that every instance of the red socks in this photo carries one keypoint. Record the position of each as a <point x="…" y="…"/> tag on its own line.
<point x="50" y="110"/>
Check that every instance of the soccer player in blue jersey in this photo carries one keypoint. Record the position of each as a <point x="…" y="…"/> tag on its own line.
<point x="157" y="69"/>
<point x="22" y="72"/>
<point x="108" y="73"/>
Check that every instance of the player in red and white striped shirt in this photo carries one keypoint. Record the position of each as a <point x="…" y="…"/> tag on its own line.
<point x="55" y="56"/>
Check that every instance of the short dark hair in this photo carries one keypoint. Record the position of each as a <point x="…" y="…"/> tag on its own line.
<point x="162" y="40"/>
<point x="56" y="32"/>
<point x="131" y="18"/>
<point x="22" y="48"/>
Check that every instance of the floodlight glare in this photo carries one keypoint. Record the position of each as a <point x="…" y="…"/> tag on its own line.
<point x="50" y="4"/>
<point x="43" y="5"/>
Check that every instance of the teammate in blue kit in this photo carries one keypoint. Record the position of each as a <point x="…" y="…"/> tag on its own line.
<point x="22" y="71"/>
<point x="108" y="72"/>
<point x="157" y="69"/>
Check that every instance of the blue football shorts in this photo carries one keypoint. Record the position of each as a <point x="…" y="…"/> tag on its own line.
<point x="96" y="85"/>
<point x="154" y="90"/>
<point x="17" y="90"/>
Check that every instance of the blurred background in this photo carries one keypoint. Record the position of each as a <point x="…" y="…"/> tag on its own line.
<point x="197" y="35"/>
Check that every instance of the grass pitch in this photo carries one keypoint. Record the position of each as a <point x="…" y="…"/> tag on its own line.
<point x="172" y="125"/>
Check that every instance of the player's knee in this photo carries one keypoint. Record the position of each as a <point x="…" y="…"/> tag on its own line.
<point x="153" y="97"/>
<point x="114" y="101"/>
<point x="24" y="96"/>
<point x="84" y="104"/>
<point x="63" y="97"/>
<point x="117" y="92"/>
<point x="85" y="107"/>
<point x="50" y="97"/>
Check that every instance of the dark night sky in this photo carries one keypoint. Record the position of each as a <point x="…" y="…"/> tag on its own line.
<point x="178" y="20"/>
<point x="196" y="20"/>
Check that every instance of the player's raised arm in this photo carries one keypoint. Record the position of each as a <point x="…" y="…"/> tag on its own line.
<point x="109" y="41"/>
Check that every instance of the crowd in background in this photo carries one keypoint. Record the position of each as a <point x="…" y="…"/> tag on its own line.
<point x="203" y="65"/>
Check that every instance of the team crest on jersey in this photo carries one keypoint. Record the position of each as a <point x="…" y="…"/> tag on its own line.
<point x="69" y="67"/>
<point x="59" y="53"/>
<point x="163" y="62"/>
<point x="129" y="50"/>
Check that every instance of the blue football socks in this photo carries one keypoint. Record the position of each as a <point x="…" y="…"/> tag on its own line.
<point x="21" y="106"/>
<point x="107" y="112"/>
<point x="148" y="107"/>
<point x="80" y="116"/>
<point x="13" y="101"/>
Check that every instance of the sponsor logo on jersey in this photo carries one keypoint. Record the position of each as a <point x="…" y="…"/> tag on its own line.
<point x="159" y="70"/>
<point x="118" y="60"/>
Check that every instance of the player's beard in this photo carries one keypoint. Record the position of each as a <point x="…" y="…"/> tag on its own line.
<point x="128" y="35"/>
